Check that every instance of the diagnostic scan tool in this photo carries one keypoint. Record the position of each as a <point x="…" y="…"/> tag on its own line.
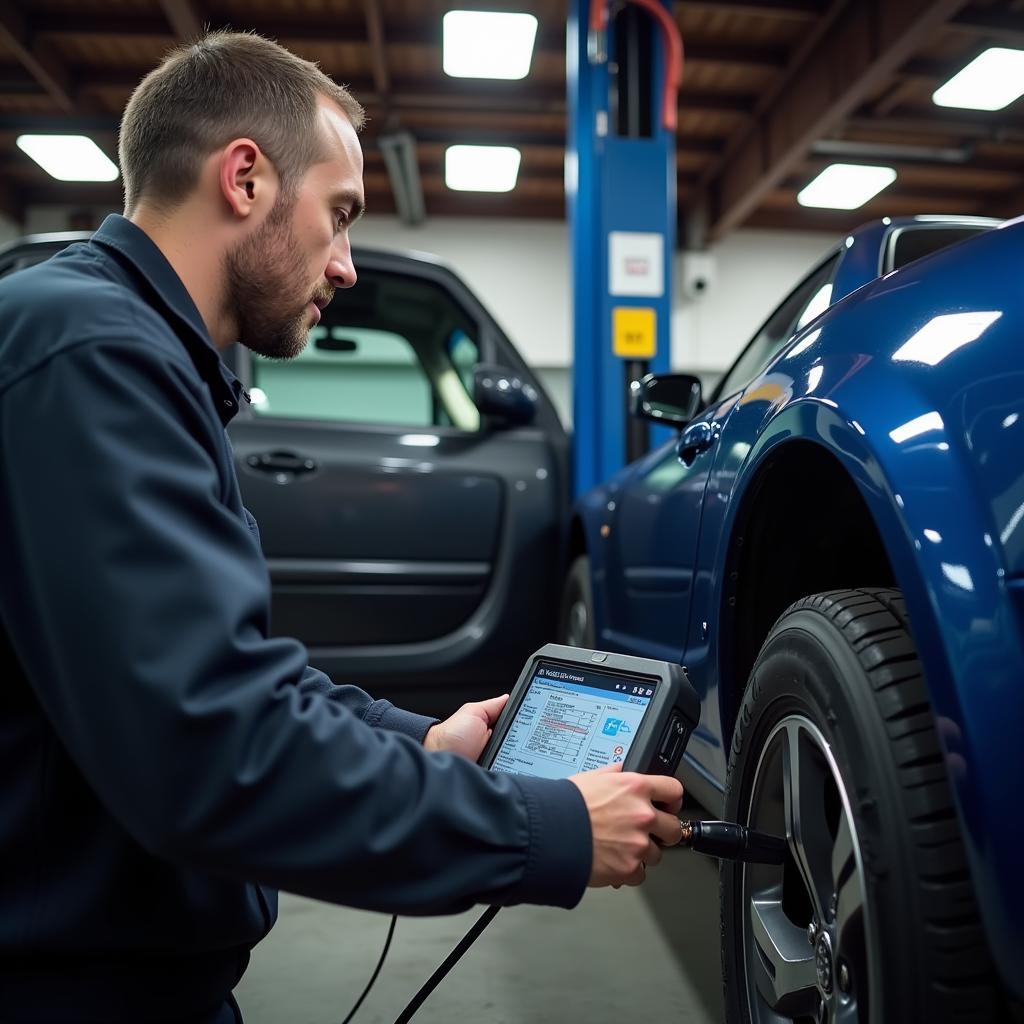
<point x="573" y="710"/>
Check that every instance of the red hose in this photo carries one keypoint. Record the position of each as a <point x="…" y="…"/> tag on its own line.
<point x="673" y="46"/>
<point x="674" y="68"/>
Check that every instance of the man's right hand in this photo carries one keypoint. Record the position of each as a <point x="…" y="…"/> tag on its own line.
<point x="624" y="821"/>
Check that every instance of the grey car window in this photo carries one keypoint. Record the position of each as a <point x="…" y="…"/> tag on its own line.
<point x="394" y="350"/>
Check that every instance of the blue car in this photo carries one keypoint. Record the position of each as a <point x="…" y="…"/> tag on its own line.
<point x="834" y="547"/>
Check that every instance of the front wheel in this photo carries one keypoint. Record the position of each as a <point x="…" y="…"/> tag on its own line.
<point x="576" y="612"/>
<point x="872" y="918"/>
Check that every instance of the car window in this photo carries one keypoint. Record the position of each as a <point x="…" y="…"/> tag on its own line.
<point x="911" y="243"/>
<point x="811" y="297"/>
<point x="392" y="350"/>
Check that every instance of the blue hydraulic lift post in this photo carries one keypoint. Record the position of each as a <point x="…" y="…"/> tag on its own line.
<point x="622" y="209"/>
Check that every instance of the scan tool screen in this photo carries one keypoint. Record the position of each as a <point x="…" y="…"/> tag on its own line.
<point x="572" y="720"/>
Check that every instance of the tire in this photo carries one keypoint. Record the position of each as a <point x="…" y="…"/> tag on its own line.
<point x="873" y="916"/>
<point x="576" y="611"/>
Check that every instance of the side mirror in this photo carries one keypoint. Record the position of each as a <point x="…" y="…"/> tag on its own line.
<point x="504" y="396"/>
<point x="669" y="398"/>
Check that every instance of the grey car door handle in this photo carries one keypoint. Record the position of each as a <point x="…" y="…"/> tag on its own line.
<point x="281" y="463"/>
<point x="697" y="438"/>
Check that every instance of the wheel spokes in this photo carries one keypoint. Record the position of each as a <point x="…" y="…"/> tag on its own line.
<point x="846" y="880"/>
<point x="803" y="785"/>
<point x="784" y="971"/>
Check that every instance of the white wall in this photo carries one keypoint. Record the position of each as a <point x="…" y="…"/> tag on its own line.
<point x="521" y="270"/>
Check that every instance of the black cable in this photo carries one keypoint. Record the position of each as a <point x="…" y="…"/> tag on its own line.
<point x="380" y="964"/>
<point x="723" y="839"/>
<point x="449" y="962"/>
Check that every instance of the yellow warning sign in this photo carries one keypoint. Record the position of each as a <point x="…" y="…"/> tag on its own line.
<point x="633" y="332"/>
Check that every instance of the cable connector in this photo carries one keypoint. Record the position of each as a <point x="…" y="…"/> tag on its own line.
<point x="729" y="841"/>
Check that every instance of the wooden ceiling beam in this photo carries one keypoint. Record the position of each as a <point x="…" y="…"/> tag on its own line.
<point x="184" y="17"/>
<point x="961" y="124"/>
<point x="378" y="49"/>
<point x="186" y="22"/>
<point x="1001" y="26"/>
<point x="790" y="10"/>
<point x="41" y="61"/>
<point x="863" y="45"/>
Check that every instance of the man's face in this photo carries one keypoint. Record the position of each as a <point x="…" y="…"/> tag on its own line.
<point x="281" y="276"/>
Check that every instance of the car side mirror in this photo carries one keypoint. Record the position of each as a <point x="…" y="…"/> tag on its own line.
<point x="668" y="398"/>
<point x="504" y="396"/>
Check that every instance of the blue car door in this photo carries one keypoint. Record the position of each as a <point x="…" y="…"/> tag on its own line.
<point x="658" y="514"/>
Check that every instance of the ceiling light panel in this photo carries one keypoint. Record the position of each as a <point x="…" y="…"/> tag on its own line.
<point x="482" y="44"/>
<point x="845" y="186"/>
<point x="481" y="168"/>
<point x="993" y="80"/>
<point x="69" y="157"/>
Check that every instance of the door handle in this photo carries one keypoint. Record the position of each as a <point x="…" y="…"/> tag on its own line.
<point x="696" y="438"/>
<point x="284" y="465"/>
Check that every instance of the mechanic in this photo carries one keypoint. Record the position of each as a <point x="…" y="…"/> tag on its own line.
<point x="165" y="764"/>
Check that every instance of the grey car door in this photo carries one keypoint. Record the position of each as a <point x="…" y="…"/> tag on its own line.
<point x="399" y="525"/>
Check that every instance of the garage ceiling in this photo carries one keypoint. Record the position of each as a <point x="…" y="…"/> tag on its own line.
<point x="773" y="91"/>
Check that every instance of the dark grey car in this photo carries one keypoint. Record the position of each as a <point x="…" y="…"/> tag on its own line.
<point x="410" y="479"/>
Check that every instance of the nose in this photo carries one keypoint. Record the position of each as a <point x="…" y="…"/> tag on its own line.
<point x="341" y="271"/>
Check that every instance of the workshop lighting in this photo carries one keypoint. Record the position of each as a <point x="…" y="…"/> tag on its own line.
<point x="485" y="44"/>
<point x="69" y="157"/>
<point x="993" y="80"/>
<point x="943" y="335"/>
<point x="481" y="168"/>
<point x="845" y="186"/>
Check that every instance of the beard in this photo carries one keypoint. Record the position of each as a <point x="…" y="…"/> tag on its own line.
<point x="264" y="275"/>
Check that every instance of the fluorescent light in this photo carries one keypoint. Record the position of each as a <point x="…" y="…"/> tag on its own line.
<point x="69" y="157"/>
<point x="993" y="80"/>
<point x="943" y="335"/>
<point x="845" y="186"/>
<point x="481" y="168"/>
<point x="915" y="428"/>
<point x="482" y="44"/>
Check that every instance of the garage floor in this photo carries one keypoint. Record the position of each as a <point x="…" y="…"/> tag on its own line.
<point x="628" y="955"/>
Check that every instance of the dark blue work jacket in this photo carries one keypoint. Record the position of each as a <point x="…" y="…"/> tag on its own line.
<point x="162" y="760"/>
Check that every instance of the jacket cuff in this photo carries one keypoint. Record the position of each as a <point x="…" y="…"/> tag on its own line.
<point x="561" y="848"/>
<point x="384" y="715"/>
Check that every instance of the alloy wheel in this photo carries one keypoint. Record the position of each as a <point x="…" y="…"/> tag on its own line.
<point x="806" y="927"/>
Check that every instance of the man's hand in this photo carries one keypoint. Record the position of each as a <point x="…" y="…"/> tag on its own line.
<point x="468" y="730"/>
<point x="625" y="823"/>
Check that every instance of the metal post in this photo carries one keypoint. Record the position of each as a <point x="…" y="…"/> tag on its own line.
<point x="620" y="184"/>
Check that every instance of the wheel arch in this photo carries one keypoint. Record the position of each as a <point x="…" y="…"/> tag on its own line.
<point x="965" y="627"/>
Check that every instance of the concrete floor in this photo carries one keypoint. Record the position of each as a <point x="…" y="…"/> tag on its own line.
<point x="649" y="953"/>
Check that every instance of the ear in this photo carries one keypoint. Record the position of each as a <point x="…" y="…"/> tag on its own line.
<point x="247" y="179"/>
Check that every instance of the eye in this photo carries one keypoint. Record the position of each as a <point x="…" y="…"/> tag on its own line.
<point x="340" y="220"/>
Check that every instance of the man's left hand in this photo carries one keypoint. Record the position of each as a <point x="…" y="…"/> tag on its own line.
<point x="468" y="730"/>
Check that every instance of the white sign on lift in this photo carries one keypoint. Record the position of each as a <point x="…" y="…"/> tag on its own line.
<point x="636" y="263"/>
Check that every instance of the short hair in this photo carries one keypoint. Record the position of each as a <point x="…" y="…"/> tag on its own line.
<point x="224" y="86"/>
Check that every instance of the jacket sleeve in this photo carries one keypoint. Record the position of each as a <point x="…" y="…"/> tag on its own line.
<point x="138" y="606"/>
<point x="381" y="713"/>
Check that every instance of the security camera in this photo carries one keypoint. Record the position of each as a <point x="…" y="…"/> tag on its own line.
<point x="698" y="273"/>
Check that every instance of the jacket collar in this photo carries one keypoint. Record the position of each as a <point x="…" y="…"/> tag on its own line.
<point x="168" y="293"/>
